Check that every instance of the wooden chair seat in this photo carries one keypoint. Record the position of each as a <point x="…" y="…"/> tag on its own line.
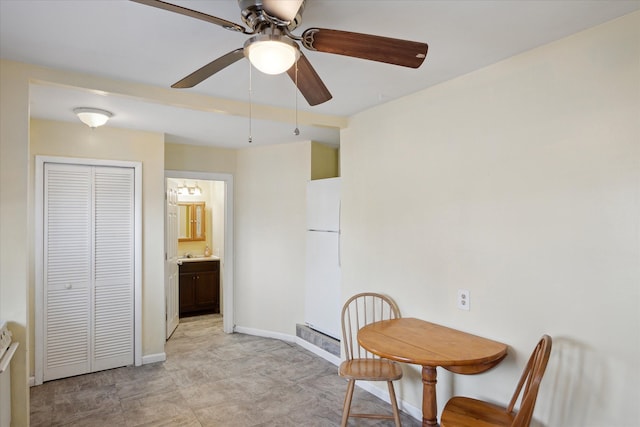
<point x="467" y="412"/>
<point x="370" y="370"/>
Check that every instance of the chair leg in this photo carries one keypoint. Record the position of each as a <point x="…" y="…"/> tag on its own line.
<point x="347" y="403"/>
<point x="394" y="403"/>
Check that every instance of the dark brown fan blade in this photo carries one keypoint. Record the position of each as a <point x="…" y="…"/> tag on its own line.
<point x="309" y="82"/>
<point x="210" y="69"/>
<point x="194" y="14"/>
<point x="374" y="48"/>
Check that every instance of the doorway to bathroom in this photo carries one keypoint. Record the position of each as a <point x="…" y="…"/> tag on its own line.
<point x="199" y="235"/>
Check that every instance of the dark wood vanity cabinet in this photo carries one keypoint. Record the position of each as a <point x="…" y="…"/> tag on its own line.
<point x="199" y="287"/>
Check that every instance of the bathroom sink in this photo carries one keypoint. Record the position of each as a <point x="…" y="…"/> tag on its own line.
<point x="194" y="258"/>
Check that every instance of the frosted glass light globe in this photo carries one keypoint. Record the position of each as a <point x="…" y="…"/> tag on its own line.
<point x="271" y="54"/>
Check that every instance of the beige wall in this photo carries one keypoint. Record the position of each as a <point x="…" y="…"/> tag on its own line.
<point x="325" y="161"/>
<point x="15" y="233"/>
<point x="196" y="158"/>
<point x="217" y="217"/>
<point x="270" y="221"/>
<point x="63" y="139"/>
<point x="519" y="182"/>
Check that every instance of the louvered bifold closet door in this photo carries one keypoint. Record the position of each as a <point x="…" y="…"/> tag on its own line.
<point x="88" y="269"/>
<point x="114" y="268"/>
<point x="67" y="270"/>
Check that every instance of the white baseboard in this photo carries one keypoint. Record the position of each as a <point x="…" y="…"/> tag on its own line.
<point x="265" y="334"/>
<point x="414" y="412"/>
<point x="292" y="339"/>
<point x="32" y="381"/>
<point x="384" y="395"/>
<point x="318" y="351"/>
<point x="154" y="358"/>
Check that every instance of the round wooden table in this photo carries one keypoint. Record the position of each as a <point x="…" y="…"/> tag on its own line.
<point x="430" y="345"/>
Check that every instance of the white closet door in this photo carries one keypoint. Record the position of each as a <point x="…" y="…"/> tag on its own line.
<point x="114" y="268"/>
<point x="89" y="269"/>
<point x="67" y="270"/>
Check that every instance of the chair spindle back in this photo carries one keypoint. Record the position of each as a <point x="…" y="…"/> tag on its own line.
<point x="361" y="310"/>
<point x="530" y="383"/>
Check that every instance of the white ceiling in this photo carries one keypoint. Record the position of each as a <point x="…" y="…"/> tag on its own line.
<point x="123" y="40"/>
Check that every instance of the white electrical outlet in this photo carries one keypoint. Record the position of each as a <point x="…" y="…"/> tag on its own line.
<point x="464" y="299"/>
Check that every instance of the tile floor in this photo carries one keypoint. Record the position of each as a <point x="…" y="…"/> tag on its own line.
<point x="209" y="379"/>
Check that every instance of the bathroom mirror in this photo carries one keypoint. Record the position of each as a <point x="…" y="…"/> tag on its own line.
<point x="192" y="221"/>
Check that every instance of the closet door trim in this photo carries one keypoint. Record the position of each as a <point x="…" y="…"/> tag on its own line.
<point x="39" y="251"/>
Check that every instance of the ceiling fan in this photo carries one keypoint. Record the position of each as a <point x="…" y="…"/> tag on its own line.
<point x="274" y="49"/>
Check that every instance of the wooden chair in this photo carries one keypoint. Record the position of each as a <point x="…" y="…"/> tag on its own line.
<point x="466" y="412"/>
<point x="358" y="311"/>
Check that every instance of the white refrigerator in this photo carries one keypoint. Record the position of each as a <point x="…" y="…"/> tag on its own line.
<point x="323" y="294"/>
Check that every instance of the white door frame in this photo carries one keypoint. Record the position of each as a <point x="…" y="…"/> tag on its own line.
<point x="228" y="323"/>
<point x="39" y="252"/>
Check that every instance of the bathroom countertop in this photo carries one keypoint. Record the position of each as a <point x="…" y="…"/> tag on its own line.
<point x="199" y="258"/>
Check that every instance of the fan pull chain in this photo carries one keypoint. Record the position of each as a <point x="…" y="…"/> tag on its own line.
<point x="250" y="104"/>
<point x="296" y="131"/>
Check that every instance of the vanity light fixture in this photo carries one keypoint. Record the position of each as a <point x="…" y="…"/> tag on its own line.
<point x="92" y="117"/>
<point x="271" y="53"/>
<point x="186" y="190"/>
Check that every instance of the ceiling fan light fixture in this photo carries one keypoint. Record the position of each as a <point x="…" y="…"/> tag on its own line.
<point x="271" y="54"/>
<point x="92" y="117"/>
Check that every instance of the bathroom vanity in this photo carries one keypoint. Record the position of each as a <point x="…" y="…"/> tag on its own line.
<point x="199" y="286"/>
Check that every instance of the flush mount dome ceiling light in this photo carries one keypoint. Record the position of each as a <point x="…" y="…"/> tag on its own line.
<point x="271" y="54"/>
<point x="92" y="117"/>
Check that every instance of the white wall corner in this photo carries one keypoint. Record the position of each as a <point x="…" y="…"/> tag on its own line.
<point x="154" y="358"/>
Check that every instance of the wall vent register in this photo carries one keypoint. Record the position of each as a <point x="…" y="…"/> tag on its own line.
<point x="5" y="339"/>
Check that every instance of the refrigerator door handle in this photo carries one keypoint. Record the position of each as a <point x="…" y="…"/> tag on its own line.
<point x="340" y="234"/>
<point x="340" y="249"/>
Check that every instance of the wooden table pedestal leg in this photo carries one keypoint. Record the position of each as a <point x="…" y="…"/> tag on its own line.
<point x="429" y="402"/>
